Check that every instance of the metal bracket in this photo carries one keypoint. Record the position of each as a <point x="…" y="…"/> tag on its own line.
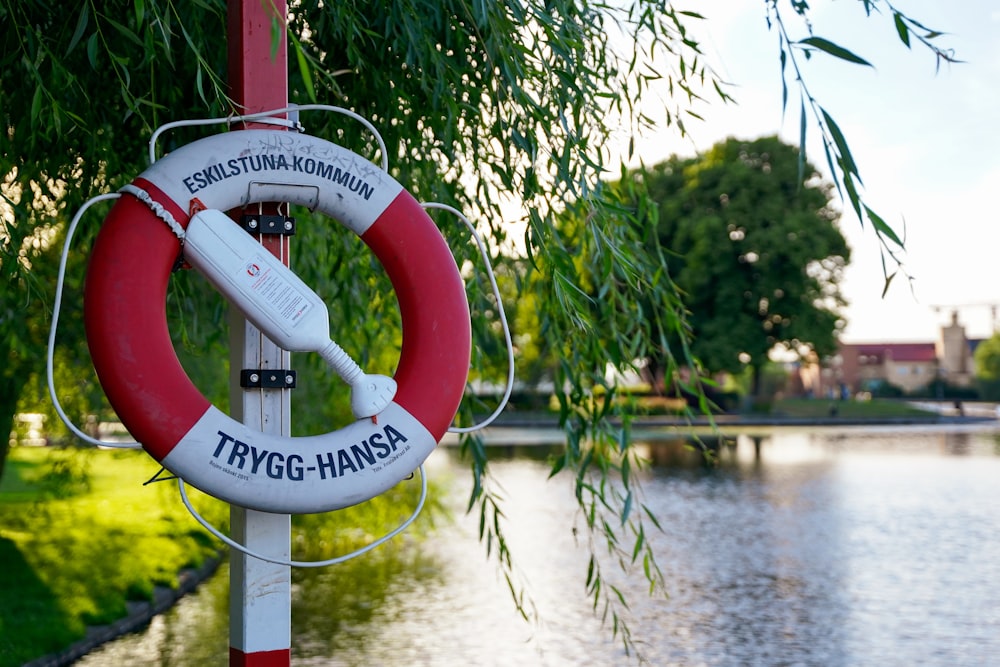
<point x="267" y="224"/>
<point x="274" y="378"/>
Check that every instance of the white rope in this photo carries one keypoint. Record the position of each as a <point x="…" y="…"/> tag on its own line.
<point x="156" y="207"/>
<point x="305" y="563"/>
<point x="500" y="310"/>
<point x="264" y="114"/>
<point x="56" y="306"/>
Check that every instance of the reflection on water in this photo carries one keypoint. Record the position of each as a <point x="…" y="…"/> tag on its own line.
<point x="195" y="632"/>
<point x="814" y="547"/>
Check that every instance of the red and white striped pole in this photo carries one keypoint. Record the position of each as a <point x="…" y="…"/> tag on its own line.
<point x="260" y="607"/>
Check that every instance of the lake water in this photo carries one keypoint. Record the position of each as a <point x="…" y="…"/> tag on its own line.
<point x="825" y="547"/>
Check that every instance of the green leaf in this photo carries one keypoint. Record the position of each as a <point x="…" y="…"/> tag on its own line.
<point x="621" y="596"/>
<point x="883" y="228"/>
<point x="846" y="159"/>
<point x="557" y="466"/>
<point x="652" y="517"/>
<point x="784" y="82"/>
<point x="637" y="549"/>
<point x="835" y="50"/>
<point x="199" y="85"/>
<point x="304" y="70"/>
<point x="901" y="29"/>
<point x="852" y="195"/>
<point x="81" y="26"/>
<point x="627" y="508"/>
<point x="802" y="143"/>
<point x="92" y="50"/>
<point x="57" y="117"/>
<point x="833" y="170"/>
<point x="277" y="34"/>
<point x="888" y="282"/>
<point x="126" y="32"/>
<point x="36" y="104"/>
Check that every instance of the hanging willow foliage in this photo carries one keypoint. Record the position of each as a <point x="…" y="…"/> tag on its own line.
<point x="505" y="110"/>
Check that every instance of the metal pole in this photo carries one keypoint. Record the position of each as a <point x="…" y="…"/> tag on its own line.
<point x="260" y="592"/>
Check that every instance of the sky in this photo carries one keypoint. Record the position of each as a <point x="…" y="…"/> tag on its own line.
<point x="925" y="140"/>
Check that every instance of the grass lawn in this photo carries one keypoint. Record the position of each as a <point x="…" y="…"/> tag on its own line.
<point x="820" y="408"/>
<point x="79" y="536"/>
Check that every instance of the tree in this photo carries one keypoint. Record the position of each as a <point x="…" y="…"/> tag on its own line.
<point x="755" y="251"/>
<point x="476" y="100"/>
<point x="987" y="359"/>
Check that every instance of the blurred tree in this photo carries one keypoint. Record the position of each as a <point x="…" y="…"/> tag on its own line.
<point x="987" y="358"/>
<point x="754" y="250"/>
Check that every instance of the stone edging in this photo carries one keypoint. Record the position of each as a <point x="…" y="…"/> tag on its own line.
<point x="138" y="616"/>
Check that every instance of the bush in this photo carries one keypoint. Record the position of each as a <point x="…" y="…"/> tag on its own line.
<point x="944" y="390"/>
<point x="883" y="389"/>
<point x="989" y="390"/>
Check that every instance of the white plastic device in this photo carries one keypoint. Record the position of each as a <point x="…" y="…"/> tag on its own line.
<point x="277" y="302"/>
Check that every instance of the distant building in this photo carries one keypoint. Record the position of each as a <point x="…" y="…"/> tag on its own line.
<point x="955" y="354"/>
<point x="861" y="367"/>
<point x="910" y="366"/>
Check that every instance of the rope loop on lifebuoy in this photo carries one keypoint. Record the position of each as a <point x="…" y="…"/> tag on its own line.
<point x="125" y="319"/>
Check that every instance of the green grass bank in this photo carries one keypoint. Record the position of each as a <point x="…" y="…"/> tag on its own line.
<point x="817" y="408"/>
<point x="81" y="537"/>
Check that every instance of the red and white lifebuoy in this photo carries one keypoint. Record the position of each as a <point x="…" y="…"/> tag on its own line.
<point x="125" y="318"/>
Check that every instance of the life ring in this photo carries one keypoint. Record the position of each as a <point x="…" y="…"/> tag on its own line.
<point x="125" y="321"/>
